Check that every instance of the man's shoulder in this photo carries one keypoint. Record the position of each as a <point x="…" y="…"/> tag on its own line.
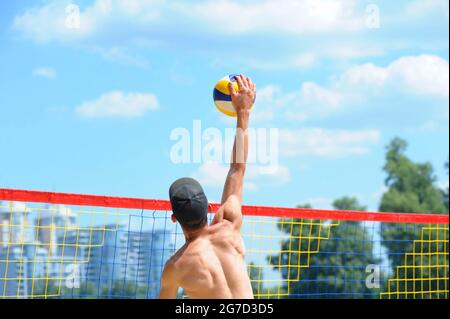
<point x="222" y="227"/>
<point x="170" y="265"/>
<point x="172" y="261"/>
<point x="218" y="224"/>
<point x="176" y="264"/>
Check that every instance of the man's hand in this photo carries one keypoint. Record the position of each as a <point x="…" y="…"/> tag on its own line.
<point x="244" y="98"/>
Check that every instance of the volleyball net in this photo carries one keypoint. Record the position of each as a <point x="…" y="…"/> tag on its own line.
<point x="58" y="245"/>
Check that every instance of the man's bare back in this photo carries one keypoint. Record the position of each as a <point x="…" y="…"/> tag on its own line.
<point x="211" y="264"/>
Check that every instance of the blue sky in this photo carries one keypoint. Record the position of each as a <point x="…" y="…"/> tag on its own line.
<point x="91" y="109"/>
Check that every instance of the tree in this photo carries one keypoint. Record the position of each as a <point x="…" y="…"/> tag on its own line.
<point x="411" y="189"/>
<point x="445" y="192"/>
<point x="87" y="290"/>
<point x="124" y="290"/>
<point x="256" y="275"/>
<point x="329" y="259"/>
<point x="411" y="186"/>
<point x="56" y="289"/>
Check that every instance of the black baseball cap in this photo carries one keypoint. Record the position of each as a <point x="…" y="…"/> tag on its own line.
<point x="189" y="202"/>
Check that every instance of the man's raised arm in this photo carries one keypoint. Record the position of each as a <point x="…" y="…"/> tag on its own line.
<point x="232" y="193"/>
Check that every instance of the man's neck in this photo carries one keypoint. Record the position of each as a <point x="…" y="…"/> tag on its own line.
<point x="193" y="234"/>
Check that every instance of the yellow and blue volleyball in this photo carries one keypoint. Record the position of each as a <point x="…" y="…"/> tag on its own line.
<point x="222" y="97"/>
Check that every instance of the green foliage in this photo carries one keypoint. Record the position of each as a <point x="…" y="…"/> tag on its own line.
<point x="124" y="290"/>
<point x="90" y="290"/>
<point x="56" y="289"/>
<point x="411" y="189"/>
<point x="324" y="269"/>
<point x="348" y="203"/>
<point x="445" y="192"/>
<point x="423" y="266"/>
<point x="410" y="185"/>
<point x="256" y="276"/>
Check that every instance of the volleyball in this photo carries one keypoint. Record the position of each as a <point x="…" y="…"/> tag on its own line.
<point x="222" y="97"/>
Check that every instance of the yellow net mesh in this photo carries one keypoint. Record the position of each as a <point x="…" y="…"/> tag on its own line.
<point x="55" y="251"/>
<point x="424" y="271"/>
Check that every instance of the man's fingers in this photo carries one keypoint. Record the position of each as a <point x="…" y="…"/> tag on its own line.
<point x="240" y="82"/>
<point x="231" y="88"/>
<point x="246" y="82"/>
<point x="249" y="82"/>
<point x="251" y="85"/>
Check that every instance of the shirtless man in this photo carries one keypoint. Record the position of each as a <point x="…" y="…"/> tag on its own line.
<point x="211" y="262"/>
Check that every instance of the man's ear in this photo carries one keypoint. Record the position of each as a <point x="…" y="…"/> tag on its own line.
<point x="173" y="218"/>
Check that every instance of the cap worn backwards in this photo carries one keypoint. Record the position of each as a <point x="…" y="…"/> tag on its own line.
<point x="189" y="202"/>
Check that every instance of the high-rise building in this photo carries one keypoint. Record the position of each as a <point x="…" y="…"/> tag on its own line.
<point x="14" y="226"/>
<point x="51" y="223"/>
<point x="116" y="256"/>
<point x="29" y="266"/>
<point x="57" y="253"/>
<point x="22" y="269"/>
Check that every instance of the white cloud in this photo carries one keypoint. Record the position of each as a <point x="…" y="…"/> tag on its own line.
<point x="257" y="175"/>
<point x="299" y="61"/>
<point x="304" y="60"/>
<point x="45" y="72"/>
<point x="213" y="174"/>
<point x="291" y="16"/>
<point x="145" y="23"/>
<point x="267" y="102"/>
<point x="49" y="22"/>
<point x="351" y="51"/>
<point x="118" y="104"/>
<point x="312" y="93"/>
<point x="326" y="143"/>
<point x="365" y="74"/>
<point x="129" y="21"/>
<point x="311" y="101"/>
<point x="422" y="75"/>
<point x="139" y="25"/>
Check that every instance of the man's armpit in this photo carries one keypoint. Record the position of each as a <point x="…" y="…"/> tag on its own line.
<point x="232" y="211"/>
